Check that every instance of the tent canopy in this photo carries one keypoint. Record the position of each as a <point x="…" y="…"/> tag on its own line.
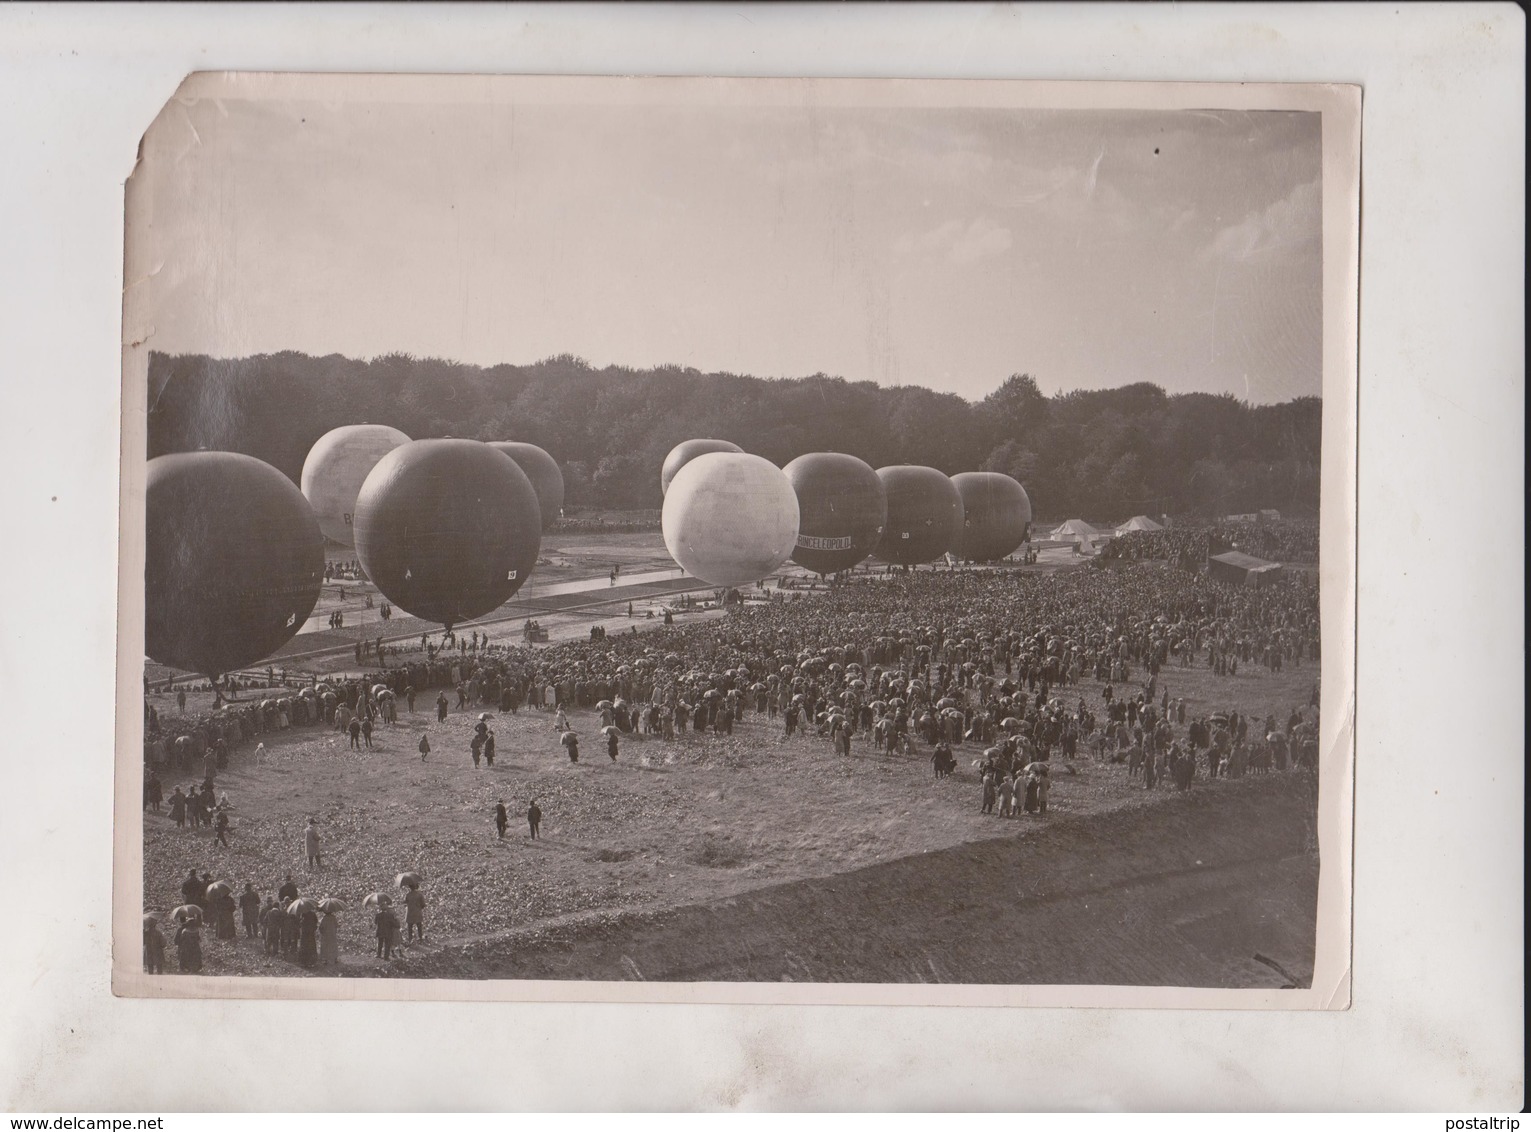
<point x="1139" y="523"/>
<point x="1074" y="530"/>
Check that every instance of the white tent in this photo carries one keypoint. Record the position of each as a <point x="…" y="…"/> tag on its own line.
<point x="1075" y="530"/>
<point x="1139" y="523"/>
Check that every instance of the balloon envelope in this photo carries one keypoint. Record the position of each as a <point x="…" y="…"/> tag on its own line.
<point x="337" y="466"/>
<point x="686" y="451"/>
<point x="730" y="518"/>
<point x="233" y="561"/>
<point x="448" y="530"/>
<point x="996" y="514"/>
<point x="543" y="471"/>
<point x="924" y="515"/>
<point x="843" y="509"/>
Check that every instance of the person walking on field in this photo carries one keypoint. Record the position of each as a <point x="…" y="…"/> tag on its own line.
<point x="441" y="708"/>
<point x="489" y="749"/>
<point x="425" y="746"/>
<point x="533" y="818"/>
<point x="355" y="731"/>
<point x="571" y="744"/>
<point x="1006" y="797"/>
<point x="249" y="909"/>
<point x="154" y="948"/>
<point x="366" y="732"/>
<point x="387" y="925"/>
<point x="221" y="830"/>
<point x="311" y="846"/>
<point x="611" y="744"/>
<point x="414" y="913"/>
<point x="501" y="818"/>
<point x="329" y="941"/>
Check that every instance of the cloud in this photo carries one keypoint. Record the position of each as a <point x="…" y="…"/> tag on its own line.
<point x="959" y="242"/>
<point x="1290" y="222"/>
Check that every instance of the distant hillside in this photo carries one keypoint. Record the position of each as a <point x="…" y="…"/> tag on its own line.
<point x="1104" y="452"/>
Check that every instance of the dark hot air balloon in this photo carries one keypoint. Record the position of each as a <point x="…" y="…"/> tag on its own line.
<point x="337" y="466"/>
<point x="843" y="510"/>
<point x="233" y="561"/>
<point x="924" y="515"/>
<point x="996" y="514"/>
<point x="447" y="529"/>
<point x="686" y="451"/>
<point x="544" y="473"/>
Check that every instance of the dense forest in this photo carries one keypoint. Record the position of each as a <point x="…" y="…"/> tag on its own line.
<point x="1105" y="454"/>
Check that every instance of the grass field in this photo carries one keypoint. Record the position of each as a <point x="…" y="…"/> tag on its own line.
<point x="669" y="829"/>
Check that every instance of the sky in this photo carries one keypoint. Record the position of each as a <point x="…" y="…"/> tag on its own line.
<point x="945" y="247"/>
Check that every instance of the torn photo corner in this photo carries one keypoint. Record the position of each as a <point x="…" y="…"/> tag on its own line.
<point x="739" y="541"/>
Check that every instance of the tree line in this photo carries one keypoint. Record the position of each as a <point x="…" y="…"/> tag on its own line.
<point x="1101" y="454"/>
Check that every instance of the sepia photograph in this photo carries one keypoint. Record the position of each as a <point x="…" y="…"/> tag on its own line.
<point x="752" y="540"/>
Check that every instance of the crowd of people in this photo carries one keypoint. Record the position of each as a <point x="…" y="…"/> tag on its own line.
<point x="285" y="925"/>
<point x="892" y="656"/>
<point x="910" y="664"/>
<point x="1189" y="545"/>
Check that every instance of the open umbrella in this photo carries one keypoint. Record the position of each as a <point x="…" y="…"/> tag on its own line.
<point x="185" y="913"/>
<point x="609" y="730"/>
<point x="604" y="705"/>
<point x="376" y="900"/>
<point x="302" y="904"/>
<point x="150" y="921"/>
<point x="484" y="716"/>
<point x="408" y="880"/>
<point x="220" y="888"/>
<point x="330" y="904"/>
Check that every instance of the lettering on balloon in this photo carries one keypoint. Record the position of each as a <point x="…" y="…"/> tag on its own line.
<point x="814" y="542"/>
<point x="511" y="576"/>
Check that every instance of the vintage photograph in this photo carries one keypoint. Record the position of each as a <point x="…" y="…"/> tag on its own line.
<point x="688" y="531"/>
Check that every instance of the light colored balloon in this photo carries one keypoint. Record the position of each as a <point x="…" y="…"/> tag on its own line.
<point x="336" y="467"/>
<point x="686" y="451"/>
<point x="730" y="518"/>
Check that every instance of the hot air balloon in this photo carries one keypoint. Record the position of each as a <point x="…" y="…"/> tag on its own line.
<point x="730" y="518"/>
<point x="337" y="466"/>
<point x="843" y="510"/>
<point x="447" y="529"/>
<point x="233" y="561"/>
<point x="686" y="451"/>
<point x="996" y="514"/>
<point x="924" y="515"/>
<point x="544" y="473"/>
